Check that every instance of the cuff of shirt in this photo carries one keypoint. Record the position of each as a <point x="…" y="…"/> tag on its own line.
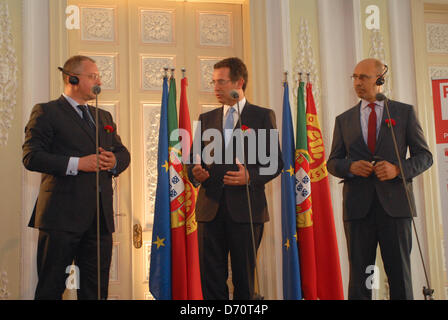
<point x="72" y="168"/>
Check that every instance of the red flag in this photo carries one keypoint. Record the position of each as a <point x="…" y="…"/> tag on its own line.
<point x="193" y="288"/>
<point x="329" y="280"/>
<point x="304" y="210"/>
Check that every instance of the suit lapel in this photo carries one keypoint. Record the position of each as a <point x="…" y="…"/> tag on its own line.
<point x="75" y="117"/>
<point x="384" y="129"/>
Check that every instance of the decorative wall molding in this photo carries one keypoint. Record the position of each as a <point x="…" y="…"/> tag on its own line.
<point x="437" y="38"/>
<point x="4" y="293"/>
<point x="8" y="74"/>
<point x="115" y="264"/>
<point x="152" y="71"/>
<point x="205" y="73"/>
<point x="438" y="72"/>
<point x="150" y="124"/>
<point x="215" y="29"/>
<point x="107" y="67"/>
<point x="98" y="24"/>
<point x="306" y="63"/>
<point x="157" y="26"/>
<point x="378" y="51"/>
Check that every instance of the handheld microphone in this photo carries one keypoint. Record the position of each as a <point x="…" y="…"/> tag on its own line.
<point x="234" y="94"/>
<point x="96" y="89"/>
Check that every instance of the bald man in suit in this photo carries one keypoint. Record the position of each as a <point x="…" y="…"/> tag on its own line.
<point x="375" y="205"/>
<point x="60" y="144"/>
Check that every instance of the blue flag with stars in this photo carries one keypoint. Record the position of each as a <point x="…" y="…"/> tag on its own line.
<point x="291" y="267"/>
<point x="160" y="265"/>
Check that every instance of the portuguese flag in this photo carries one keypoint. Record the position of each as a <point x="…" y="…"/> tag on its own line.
<point x="304" y="210"/>
<point x="327" y="266"/>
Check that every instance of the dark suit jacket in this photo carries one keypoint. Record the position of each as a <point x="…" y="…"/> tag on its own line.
<point x="349" y="146"/>
<point x="210" y="192"/>
<point x="54" y="133"/>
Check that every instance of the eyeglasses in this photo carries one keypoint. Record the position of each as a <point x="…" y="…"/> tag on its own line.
<point x="92" y="76"/>
<point x="220" y="82"/>
<point x="362" y="77"/>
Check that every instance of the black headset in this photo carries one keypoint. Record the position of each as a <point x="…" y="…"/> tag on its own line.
<point x="380" y="81"/>
<point x="74" y="80"/>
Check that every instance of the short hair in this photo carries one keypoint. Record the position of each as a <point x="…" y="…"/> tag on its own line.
<point x="73" y="64"/>
<point x="237" y="69"/>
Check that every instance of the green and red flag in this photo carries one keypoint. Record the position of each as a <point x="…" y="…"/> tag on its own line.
<point x="194" y="289"/>
<point x="328" y="269"/>
<point x="304" y="210"/>
<point x="177" y="202"/>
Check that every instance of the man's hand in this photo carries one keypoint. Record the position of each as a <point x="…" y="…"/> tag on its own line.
<point x="199" y="173"/>
<point x="361" y="168"/>
<point x="87" y="163"/>
<point x="385" y="170"/>
<point x="236" y="178"/>
<point x="107" y="161"/>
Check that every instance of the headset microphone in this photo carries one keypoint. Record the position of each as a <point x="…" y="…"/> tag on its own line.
<point x="380" y="81"/>
<point x="74" y="80"/>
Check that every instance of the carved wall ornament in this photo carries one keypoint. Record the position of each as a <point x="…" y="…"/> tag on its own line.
<point x="152" y="71"/>
<point x="4" y="293"/>
<point x="157" y="26"/>
<point x="437" y="37"/>
<point x="151" y="124"/>
<point x="306" y="63"/>
<point x="438" y="72"/>
<point x="8" y="74"/>
<point x="98" y="24"/>
<point x="215" y="29"/>
<point x="107" y="69"/>
<point x="378" y="51"/>
<point x="205" y="73"/>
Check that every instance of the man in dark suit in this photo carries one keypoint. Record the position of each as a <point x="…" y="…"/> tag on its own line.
<point x="222" y="210"/>
<point x="60" y="143"/>
<point x="375" y="206"/>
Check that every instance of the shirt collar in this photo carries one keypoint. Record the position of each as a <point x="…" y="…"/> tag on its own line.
<point x="72" y="102"/>
<point x="365" y="103"/>
<point x="242" y="103"/>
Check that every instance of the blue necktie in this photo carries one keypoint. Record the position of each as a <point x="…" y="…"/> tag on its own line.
<point x="228" y="126"/>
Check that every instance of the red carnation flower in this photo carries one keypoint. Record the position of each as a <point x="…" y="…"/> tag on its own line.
<point x="390" y="121"/>
<point x="109" y="129"/>
<point x="245" y="128"/>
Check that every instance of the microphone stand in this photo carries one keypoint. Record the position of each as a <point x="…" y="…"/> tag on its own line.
<point x="96" y="90"/>
<point x="427" y="291"/>
<point x="257" y="295"/>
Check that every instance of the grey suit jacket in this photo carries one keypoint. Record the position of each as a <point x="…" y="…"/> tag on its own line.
<point x="54" y="133"/>
<point x="212" y="189"/>
<point x="349" y="146"/>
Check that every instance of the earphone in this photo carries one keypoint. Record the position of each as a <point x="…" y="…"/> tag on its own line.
<point x="380" y="81"/>
<point x="74" y="80"/>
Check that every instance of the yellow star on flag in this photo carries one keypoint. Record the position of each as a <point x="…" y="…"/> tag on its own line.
<point x="159" y="242"/>
<point x="291" y="171"/>
<point x="166" y="166"/>
<point x="287" y="245"/>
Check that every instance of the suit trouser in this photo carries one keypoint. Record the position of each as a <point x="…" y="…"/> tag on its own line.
<point x="216" y="239"/>
<point x="58" y="249"/>
<point x="394" y="236"/>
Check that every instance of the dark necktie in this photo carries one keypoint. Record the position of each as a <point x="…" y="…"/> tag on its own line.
<point x="371" y="133"/>
<point x="86" y="117"/>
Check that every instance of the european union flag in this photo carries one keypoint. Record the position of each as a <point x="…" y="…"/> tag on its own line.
<point x="160" y="265"/>
<point x="291" y="267"/>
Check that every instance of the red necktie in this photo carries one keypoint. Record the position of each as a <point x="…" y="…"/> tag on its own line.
<point x="371" y="133"/>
